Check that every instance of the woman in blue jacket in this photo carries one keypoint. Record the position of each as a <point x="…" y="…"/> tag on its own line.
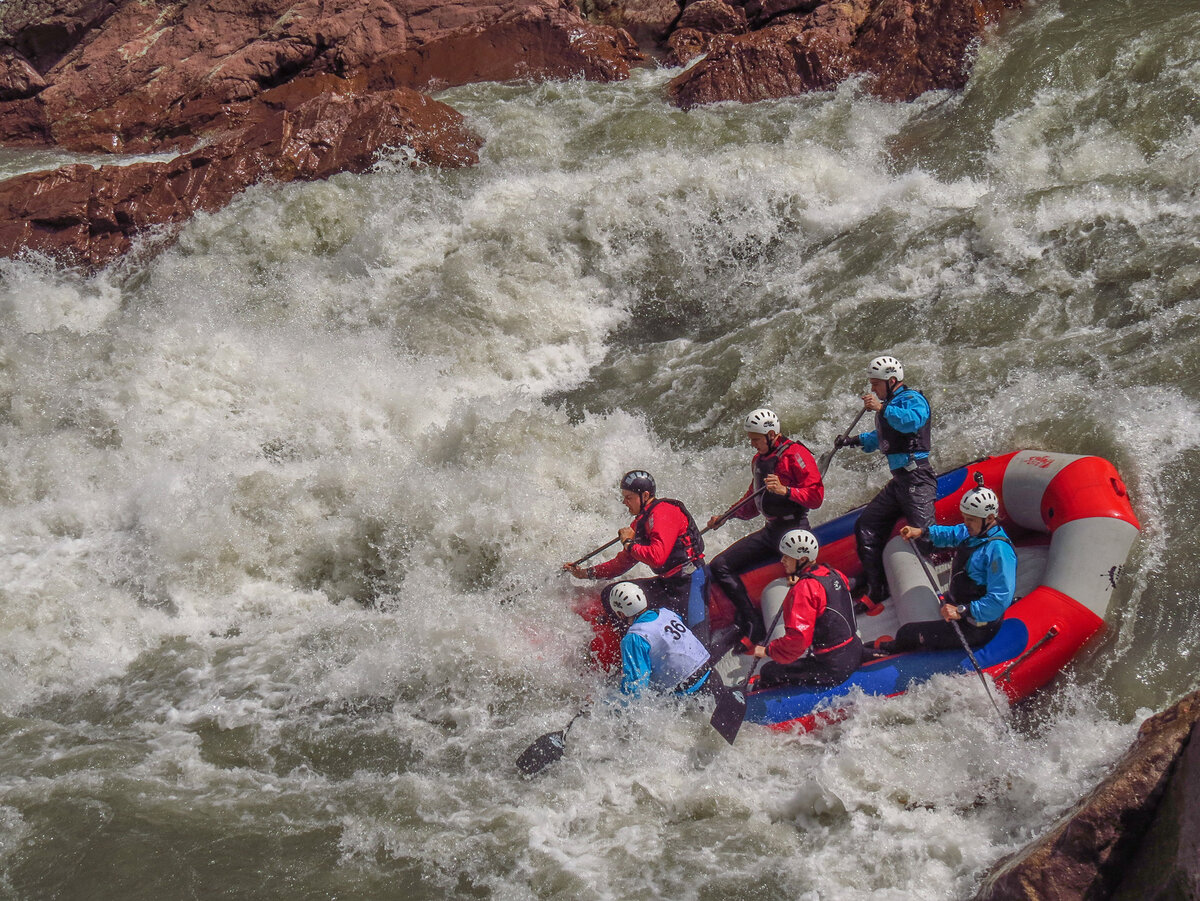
<point x="983" y="579"/>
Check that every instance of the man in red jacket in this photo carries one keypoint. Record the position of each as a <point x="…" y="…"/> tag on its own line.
<point x="818" y="616"/>
<point x="791" y="485"/>
<point x="664" y="536"/>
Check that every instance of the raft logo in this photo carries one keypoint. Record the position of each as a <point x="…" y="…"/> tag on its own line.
<point x="1114" y="574"/>
<point x="1043" y="462"/>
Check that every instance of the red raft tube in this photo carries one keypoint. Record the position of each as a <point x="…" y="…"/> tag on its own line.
<point x="1072" y="524"/>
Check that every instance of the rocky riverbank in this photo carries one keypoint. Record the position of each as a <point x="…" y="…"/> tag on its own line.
<point x="299" y="90"/>
<point x="1135" y="837"/>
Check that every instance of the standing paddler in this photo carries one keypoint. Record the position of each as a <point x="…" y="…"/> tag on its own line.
<point x="902" y="433"/>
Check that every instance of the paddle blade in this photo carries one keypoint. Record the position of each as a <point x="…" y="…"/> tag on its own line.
<point x="825" y="460"/>
<point x="543" y="752"/>
<point x="731" y="711"/>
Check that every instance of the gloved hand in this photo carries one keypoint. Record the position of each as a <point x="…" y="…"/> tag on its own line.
<point x="745" y="646"/>
<point x="852" y="441"/>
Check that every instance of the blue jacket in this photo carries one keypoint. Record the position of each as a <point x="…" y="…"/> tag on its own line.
<point x="992" y="565"/>
<point x="907" y="411"/>
<point x="635" y="660"/>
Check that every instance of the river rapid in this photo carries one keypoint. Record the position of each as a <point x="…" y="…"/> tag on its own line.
<point x="261" y="495"/>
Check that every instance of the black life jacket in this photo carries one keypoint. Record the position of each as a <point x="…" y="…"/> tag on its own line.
<point x="964" y="589"/>
<point x="837" y="625"/>
<point x="893" y="441"/>
<point x="774" y="506"/>
<point x="689" y="547"/>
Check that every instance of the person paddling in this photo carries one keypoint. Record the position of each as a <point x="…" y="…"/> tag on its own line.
<point x="983" y="579"/>
<point x="785" y="468"/>
<point x="663" y="536"/>
<point x="818" y="617"/>
<point x="657" y="651"/>
<point x="902" y="433"/>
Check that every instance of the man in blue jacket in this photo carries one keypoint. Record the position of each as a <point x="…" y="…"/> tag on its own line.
<point x="902" y="433"/>
<point x="983" y="579"/>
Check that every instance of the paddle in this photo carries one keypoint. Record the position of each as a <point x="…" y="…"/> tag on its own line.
<point x="728" y="513"/>
<point x="827" y="457"/>
<point x="548" y="748"/>
<point x="586" y="557"/>
<point x="958" y="631"/>
<point x="731" y="703"/>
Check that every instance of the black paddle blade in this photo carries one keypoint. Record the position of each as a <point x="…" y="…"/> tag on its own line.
<point x="825" y="460"/>
<point x="731" y="710"/>
<point x="542" y="752"/>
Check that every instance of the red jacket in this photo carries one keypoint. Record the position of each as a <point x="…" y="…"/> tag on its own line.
<point x="666" y="527"/>
<point x="805" y="605"/>
<point x="797" y="471"/>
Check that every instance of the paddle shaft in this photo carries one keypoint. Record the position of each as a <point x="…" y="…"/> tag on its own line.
<point x="758" y="660"/>
<point x="728" y="513"/>
<point x="524" y="591"/>
<point x="604" y="547"/>
<point x="958" y="631"/>
<point x="827" y="458"/>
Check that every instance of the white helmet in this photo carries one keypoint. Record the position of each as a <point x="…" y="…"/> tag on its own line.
<point x="885" y="368"/>
<point x="627" y="599"/>
<point x="980" y="502"/>
<point x="799" y="543"/>
<point x="761" y="421"/>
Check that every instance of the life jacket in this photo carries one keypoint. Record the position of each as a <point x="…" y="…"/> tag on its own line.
<point x="964" y="589"/>
<point x="689" y="547"/>
<point x="893" y="441"/>
<point x="675" y="653"/>
<point x="837" y="625"/>
<point x="774" y="506"/>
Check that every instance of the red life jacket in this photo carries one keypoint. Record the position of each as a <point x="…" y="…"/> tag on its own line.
<point x="689" y="547"/>
<point x="836" y="626"/>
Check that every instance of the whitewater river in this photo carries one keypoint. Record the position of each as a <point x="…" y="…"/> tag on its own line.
<point x="261" y="495"/>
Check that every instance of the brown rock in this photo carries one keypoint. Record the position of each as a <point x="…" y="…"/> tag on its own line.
<point x="714" y="17"/>
<point x="777" y="61"/>
<point x="157" y="73"/>
<point x="759" y="12"/>
<point x="1085" y="855"/>
<point x="908" y="46"/>
<point x="44" y="30"/>
<point x="1167" y="863"/>
<point x="913" y="47"/>
<point x="648" y="21"/>
<point x="90" y="216"/>
<point x="18" y="79"/>
<point x="553" y="44"/>
<point x="684" y="45"/>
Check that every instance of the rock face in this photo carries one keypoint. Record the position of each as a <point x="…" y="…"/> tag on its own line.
<point x="1120" y="838"/>
<point x="91" y="215"/>
<point x="907" y="47"/>
<point x="157" y="73"/>
<point x="272" y="88"/>
<point x="1167" y="863"/>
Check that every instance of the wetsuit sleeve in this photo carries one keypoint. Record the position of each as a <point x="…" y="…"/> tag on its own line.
<point x="947" y="536"/>
<point x="618" y="565"/>
<point x="798" y="472"/>
<point x="804" y="603"/>
<point x="870" y="441"/>
<point x="635" y="664"/>
<point x="669" y="524"/>
<point x="907" y="412"/>
<point x="1000" y="579"/>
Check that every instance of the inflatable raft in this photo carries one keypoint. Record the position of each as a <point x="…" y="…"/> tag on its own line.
<point x="1072" y="524"/>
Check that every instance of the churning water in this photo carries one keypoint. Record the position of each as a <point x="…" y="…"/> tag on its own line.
<point x="261" y="495"/>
